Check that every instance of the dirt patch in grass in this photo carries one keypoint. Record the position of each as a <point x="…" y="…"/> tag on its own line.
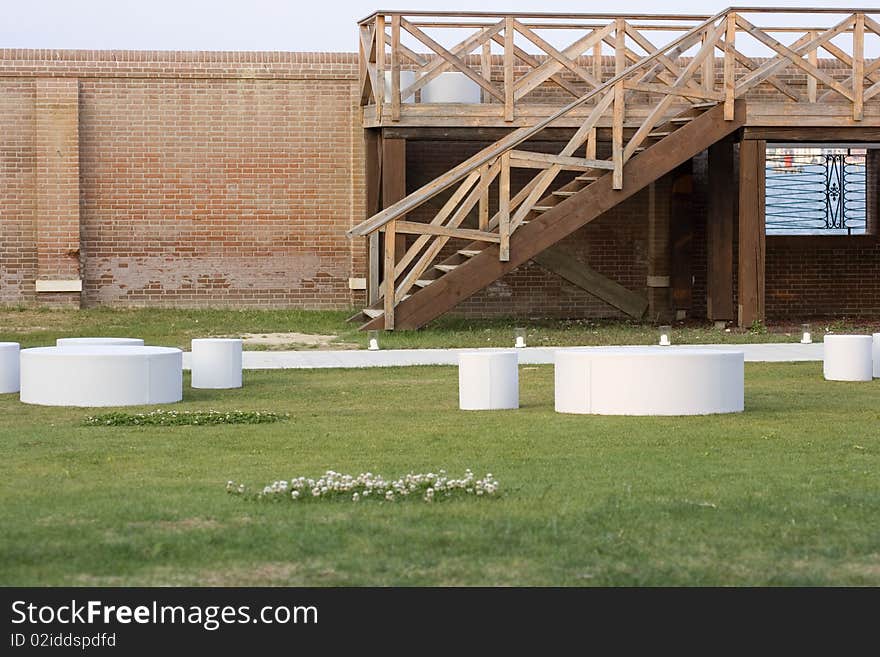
<point x="279" y="341"/>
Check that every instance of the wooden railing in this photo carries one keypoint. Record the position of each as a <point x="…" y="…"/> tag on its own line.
<point x="668" y="80"/>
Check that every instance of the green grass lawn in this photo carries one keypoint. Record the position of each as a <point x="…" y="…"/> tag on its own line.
<point x="787" y="493"/>
<point x="174" y="327"/>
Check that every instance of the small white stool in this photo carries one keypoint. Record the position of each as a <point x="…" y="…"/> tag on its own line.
<point x="848" y="358"/>
<point x="877" y="355"/>
<point x="9" y="367"/>
<point x="488" y="380"/>
<point x="216" y="363"/>
<point x="99" y="342"/>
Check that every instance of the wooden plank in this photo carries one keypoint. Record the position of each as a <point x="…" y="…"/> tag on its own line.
<point x="720" y="222"/>
<point x="750" y="280"/>
<point x="812" y="83"/>
<point x="379" y="87"/>
<point x="508" y="69"/>
<point x="859" y="68"/>
<point x="504" y="208"/>
<point x="560" y="57"/>
<point x="415" y="228"/>
<point x="590" y="152"/>
<point x="729" y="66"/>
<point x="526" y="58"/>
<point x="813" y="134"/>
<point x="571" y="214"/>
<point x="390" y="258"/>
<point x="544" y="160"/>
<point x="486" y="68"/>
<point x="684" y="92"/>
<point x="394" y="180"/>
<point x="373" y="199"/>
<point x="395" y="67"/>
<point x="483" y="212"/>
<point x="560" y="262"/>
<point x="707" y="70"/>
<point x="597" y="61"/>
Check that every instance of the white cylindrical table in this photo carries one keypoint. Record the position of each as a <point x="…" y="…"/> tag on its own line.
<point x="848" y="358"/>
<point x="99" y="342"/>
<point x="649" y="381"/>
<point x="9" y="369"/>
<point x="216" y="363"/>
<point x="488" y="380"/>
<point x="876" y="355"/>
<point x="101" y="376"/>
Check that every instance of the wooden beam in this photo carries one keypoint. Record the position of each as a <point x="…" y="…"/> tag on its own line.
<point x="545" y="160"/>
<point x="720" y="222"/>
<point x="395" y="67"/>
<point x="504" y="208"/>
<point x="394" y="180"/>
<point x="373" y="198"/>
<point x="379" y="88"/>
<point x="813" y="134"/>
<point x="681" y="238"/>
<point x="657" y="282"/>
<point x="390" y="258"/>
<point x="560" y="262"/>
<point x="562" y="220"/>
<point x="858" y="67"/>
<point x="415" y="228"/>
<point x="750" y="280"/>
<point x="729" y="66"/>
<point x="508" y="69"/>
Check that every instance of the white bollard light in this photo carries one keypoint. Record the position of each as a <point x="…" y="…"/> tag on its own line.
<point x="216" y="363"/>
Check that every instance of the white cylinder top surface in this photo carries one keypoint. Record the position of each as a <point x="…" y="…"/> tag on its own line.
<point x="122" y="342"/>
<point x="119" y="351"/>
<point x="216" y="340"/>
<point x="9" y="345"/>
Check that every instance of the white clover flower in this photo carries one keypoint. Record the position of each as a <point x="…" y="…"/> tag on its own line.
<point x="355" y="497"/>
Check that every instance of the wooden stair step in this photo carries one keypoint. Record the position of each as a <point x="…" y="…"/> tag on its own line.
<point x="373" y="313"/>
<point x="659" y="134"/>
<point x="424" y="282"/>
<point x="445" y="268"/>
<point x="563" y="193"/>
<point x="681" y="119"/>
<point x="542" y="208"/>
<point x="705" y="105"/>
<point x="468" y="253"/>
<point x="587" y="178"/>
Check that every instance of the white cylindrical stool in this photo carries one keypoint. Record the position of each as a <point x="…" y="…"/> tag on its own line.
<point x="488" y="380"/>
<point x="877" y="355"/>
<point x="9" y="367"/>
<point x="99" y="342"/>
<point x="848" y="358"/>
<point x="216" y="363"/>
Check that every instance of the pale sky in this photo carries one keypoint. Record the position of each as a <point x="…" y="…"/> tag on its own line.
<point x="266" y="24"/>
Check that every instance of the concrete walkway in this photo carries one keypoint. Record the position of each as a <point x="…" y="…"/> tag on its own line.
<point x="273" y="360"/>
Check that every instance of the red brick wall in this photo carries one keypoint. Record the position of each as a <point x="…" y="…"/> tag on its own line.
<point x="203" y="178"/>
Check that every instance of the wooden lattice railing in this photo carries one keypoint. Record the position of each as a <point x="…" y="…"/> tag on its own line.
<point x="671" y="82"/>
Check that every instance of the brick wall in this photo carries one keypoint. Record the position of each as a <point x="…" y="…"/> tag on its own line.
<point x="180" y="178"/>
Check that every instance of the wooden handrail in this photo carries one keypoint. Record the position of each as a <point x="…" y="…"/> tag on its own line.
<point x="510" y="141"/>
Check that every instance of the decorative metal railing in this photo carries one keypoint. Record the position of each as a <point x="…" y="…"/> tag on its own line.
<point x="815" y="191"/>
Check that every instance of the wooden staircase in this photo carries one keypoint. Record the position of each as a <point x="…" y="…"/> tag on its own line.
<point x="556" y="215"/>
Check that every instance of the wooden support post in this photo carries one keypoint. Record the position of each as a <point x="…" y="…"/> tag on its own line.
<point x="483" y="213"/>
<point x="658" y="252"/>
<point x="395" y="67"/>
<point x="504" y="207"/>
<point x="858" y="67"/>
<point x="812" y="83"/>
<point x="394" y="180"/>
<point x="872" y="192"/>
<point x="681" y="236"/>
<point x="597" y="63"/>
<point x="486" y="69"/>
<point x="390" y="279"/>
<point x="730" y="67"/>
<point x="508" y="68"/>
<point x="619" y="113"/>
<point x="591" y="145"/>
<point x="380" y="67"/>
<point x="373" y="182"/>
<point x="720" y="222"/>
<point x="751" y="232"/>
